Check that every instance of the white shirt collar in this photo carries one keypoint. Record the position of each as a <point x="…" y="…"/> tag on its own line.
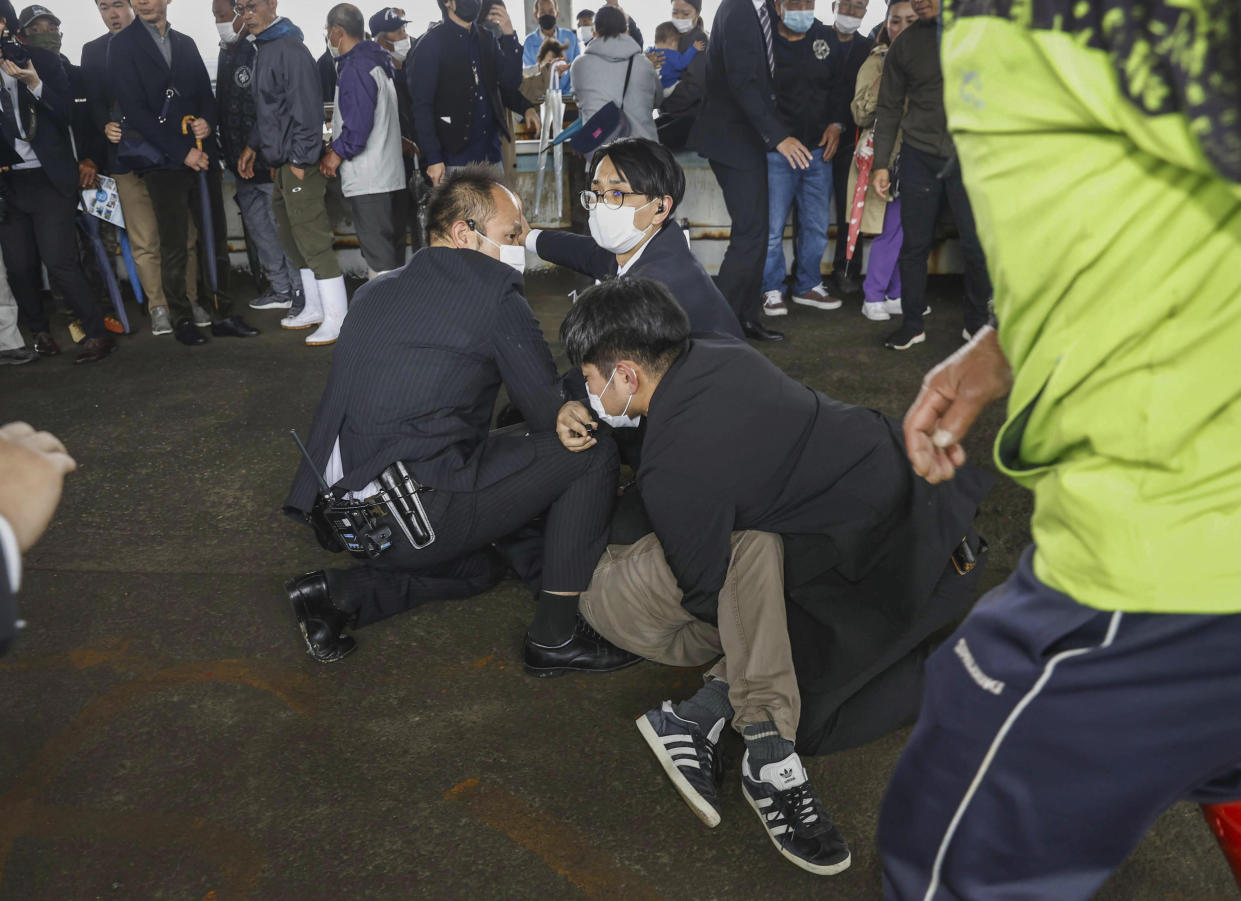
<point x="633" y="259"/>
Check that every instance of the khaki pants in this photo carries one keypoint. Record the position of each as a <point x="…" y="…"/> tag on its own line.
<point x="302" y="222"/>
<point x="634" y="602"/>
<point x="143" y="233"/>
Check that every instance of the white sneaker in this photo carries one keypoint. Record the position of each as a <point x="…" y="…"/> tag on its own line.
<point x="893" y="306"/>
<point x="876" y="311"/>
<point x="773" y="304"/>
<point x="335" y="305"/>
<point x="819" y="298"/>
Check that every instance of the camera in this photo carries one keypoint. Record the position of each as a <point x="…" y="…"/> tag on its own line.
<point x="14" y="52"/>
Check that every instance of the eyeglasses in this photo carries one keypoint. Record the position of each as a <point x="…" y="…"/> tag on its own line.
<point x="612" y="199"/>
<point x="242" y="8"/>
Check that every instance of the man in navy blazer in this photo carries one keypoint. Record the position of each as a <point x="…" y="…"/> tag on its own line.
<point x="39" y="184"/>
<point x="158" y="79"/>
<point x="736" y="128"/>
<point x="645" y="178"/>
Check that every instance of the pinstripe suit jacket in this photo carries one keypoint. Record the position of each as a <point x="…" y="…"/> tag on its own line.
<point x="416" y="371"/>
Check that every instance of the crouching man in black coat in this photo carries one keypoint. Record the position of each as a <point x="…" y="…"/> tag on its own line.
<point x="420" y="359"/>
<point x="789" y="535"/>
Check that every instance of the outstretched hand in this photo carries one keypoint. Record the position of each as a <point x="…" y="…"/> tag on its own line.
<point x="952" y="396"/>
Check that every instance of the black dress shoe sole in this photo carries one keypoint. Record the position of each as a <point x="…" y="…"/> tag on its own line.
<point x="547" y="672"/>
<point x="341" y="648"/>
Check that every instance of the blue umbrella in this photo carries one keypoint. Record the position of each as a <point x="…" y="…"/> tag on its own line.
<point x="91" y="227"/>
<point x="206" y="234"/>
<point x="127" y="254"/>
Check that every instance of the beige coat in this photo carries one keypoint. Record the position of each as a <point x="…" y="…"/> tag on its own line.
<point x="865" y="99"/>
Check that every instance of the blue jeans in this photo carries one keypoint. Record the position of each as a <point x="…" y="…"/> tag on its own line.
<point x="812" y="189"/>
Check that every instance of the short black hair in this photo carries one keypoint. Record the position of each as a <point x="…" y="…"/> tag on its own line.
<point x="586" y="14"/>
<point x="464" y="195"/>
<point x="610" y="22"/>
<point x="666" y="32"/>
<point x="625" y="318"/>
<point x="649" y="167"/>
<point x="349" y="18"/>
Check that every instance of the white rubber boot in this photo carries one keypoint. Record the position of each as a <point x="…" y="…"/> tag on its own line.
<point x="335" y="306"/>
<point x="312" y="313"/>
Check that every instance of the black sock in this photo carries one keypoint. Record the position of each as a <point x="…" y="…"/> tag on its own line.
<point x="555" y="616"/>
<point x="706" y="708"/>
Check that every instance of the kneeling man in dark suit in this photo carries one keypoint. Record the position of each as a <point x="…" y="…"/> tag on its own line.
<point x="788" y="534"/>
<point x="415" y="374"/>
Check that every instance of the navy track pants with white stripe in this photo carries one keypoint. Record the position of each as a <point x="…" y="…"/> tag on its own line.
<point x="1051" y="736"/>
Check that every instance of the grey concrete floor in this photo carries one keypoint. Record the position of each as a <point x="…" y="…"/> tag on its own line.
<point x="165" y="736"/>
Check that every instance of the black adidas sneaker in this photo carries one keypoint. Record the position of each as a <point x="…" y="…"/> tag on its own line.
<point x="794" y="817"/>
<point x="690" y="758"/>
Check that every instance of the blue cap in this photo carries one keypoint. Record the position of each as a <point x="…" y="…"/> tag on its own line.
<point x="386" y="20"/>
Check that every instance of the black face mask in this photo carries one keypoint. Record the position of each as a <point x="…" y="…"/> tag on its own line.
<point x="467" y="9"/>
<point x="547" y="23"/>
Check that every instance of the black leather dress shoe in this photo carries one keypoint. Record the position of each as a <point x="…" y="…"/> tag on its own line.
<point x="322" y="622"/>
<point x="45" y="345"/>
<point x="586" y="652"/>
<point x="759" y="332"/>
<point x="233" y="327"/>
<point x="186" y="332"/>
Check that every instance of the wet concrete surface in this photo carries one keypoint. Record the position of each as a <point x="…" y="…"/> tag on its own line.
<point x="165" y="736"/>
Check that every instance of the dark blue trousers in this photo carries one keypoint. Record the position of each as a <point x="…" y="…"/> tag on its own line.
<point x="1051" y="736"/>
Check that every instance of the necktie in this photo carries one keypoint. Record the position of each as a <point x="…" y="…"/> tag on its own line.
<point x="765" y="20"/>
<point x="8" y="111"/>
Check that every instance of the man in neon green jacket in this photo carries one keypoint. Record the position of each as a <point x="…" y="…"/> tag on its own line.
<point x="1101" y="147"/>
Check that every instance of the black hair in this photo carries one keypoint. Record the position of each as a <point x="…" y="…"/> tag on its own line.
<point x="9" y="15"/>
<point x="625" y="319"/>
<point x="649" y="167"/>
<point x="666" y="32"/>
<point x="610" y="22"/>
<point x="349" y="18"/>
<point x="586" y="14"/>
<point x="464" y="195"/>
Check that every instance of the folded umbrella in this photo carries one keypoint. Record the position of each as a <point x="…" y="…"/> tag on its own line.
<point x="865" y="160"/>
<point x="205" y="234"/>
<point x="88" y="224"/>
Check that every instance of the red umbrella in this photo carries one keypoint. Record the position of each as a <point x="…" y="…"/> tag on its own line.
<point x="865" y="160"/>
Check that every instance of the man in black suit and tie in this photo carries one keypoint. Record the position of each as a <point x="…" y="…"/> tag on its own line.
<point x="39" y="185"/>
<point x="158" y="78"/>
<point x="636" y="185"/>
<point x="821" y="649"/>
<point x="736" y="128"/>
<point x="417" y="368"/>
<point x="33" y="466"/>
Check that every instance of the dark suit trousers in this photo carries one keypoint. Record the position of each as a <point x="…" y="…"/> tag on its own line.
<point x="40" y="226"/>
<point x="175" y="196"/>
<point x="576" y="491"/>
<point x="926" y="183"/>
<point x="741" y="273"/>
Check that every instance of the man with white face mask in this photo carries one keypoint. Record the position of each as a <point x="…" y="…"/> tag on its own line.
<point x="234" y="72"/>
<point x="414" y="378"/>
<point x="635" y="187"/>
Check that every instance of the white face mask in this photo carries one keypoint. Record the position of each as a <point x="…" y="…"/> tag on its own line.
<point x="333" y="49"/>
<point x="227" y="35"/>
<point x="620" y="421"/>
<point x="847" y="24"/>
<point x="585" y="33"/>
<point x="685" y="26"/>
<point x="613" y="230"/>
<point x="509" y="253"/>
<point x="400" y="49"/>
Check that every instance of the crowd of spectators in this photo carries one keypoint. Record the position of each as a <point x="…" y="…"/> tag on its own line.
<point x="766" y="99"/>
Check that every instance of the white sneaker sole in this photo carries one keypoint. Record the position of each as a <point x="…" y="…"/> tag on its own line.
<point x="768" y="311"/>
<point x="916" y="339"/>
<point x="818" y="304"/>
<point x="300" y="326"/>
<point x="817" y="869"/>
<point x="876" y="315"/>
<point x="278" y="305"/>
<point x="162" y="331"/>
<point x="697" y="803"/>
